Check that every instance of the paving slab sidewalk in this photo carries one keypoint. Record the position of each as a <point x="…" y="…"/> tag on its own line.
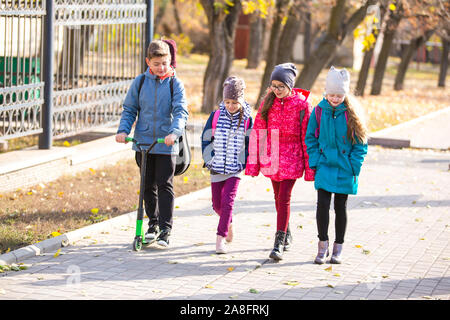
<point x="397" y="246"/>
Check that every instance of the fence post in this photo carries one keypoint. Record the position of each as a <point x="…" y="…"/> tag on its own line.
<point x="148" y="28"/>
<point x="45" y="138"/>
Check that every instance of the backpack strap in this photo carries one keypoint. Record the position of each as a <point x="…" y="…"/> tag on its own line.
<point x="318" y="112"/>
<point x="246" y="124"/>
<point x="141" y="82"/>
<point x="215" y="119"/>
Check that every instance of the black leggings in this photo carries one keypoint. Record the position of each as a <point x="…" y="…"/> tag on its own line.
<point x="323" y="216"/>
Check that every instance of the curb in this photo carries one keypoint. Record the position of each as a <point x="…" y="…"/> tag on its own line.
<point x="53" y="244"/>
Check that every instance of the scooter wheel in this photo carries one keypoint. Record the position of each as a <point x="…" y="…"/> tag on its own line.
<point x="137" y="244"/>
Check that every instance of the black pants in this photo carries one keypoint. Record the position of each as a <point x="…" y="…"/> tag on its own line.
<point x="158" y="194"/>
<point x="323" y="216"/>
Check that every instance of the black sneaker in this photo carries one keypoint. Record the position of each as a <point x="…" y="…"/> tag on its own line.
<point x="163" y="238"/>
<point x="151" y="233"/>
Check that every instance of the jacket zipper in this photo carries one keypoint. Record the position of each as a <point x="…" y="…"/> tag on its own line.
<point x="154" y="109"/>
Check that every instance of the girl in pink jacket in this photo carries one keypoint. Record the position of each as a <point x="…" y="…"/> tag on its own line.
<point x="277" y="146"/>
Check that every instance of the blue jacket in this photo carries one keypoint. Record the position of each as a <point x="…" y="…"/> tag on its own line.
<point x="226" y="153"/>
<point x="337" y="162"/>
<point x="157" y="116"/>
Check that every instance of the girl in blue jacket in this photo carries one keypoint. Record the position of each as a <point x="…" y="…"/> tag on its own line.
<point x="161" y="111"/>
<point x="336" y="141"/>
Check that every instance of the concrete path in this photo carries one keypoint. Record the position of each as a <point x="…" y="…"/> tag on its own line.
<point x="397" y="246"/>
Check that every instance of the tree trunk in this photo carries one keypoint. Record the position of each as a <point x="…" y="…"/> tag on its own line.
<point x="368" y="56"/>
<point x="272" y="51"/>
<point x="380" y="68"/>
<point x="407" y="56"/>
<point x="161" y="12"/>
<point x="444" y="63"/>
<point x="364" y="73"/>
<point x="289" y="34"/>
<point x="337" y="30"/>
<point x="256" y="45"/>
<point x="388" y="38"/>
<point x="177" y="17"/>
<point x="222" y="29"/>
<point x="307" y="39"/>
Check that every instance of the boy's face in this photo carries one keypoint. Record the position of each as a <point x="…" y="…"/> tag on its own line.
<point x="232" y="105"/>
<point x="335" y="99"/>
<point x="159" y="65"/>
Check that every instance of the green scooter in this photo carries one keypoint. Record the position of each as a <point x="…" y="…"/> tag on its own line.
<point x="139" y="239"/>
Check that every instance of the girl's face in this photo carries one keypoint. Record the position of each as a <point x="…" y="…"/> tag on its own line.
<point x="280" y="89"/>
<point x="335" y="99"/>
<point x="159" y="65"/>
<point x="232" y="105"/>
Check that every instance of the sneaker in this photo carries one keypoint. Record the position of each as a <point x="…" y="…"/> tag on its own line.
<point x="220" y="245"/>
<point x="151" y="233"/>
<point x="163" y="238"/>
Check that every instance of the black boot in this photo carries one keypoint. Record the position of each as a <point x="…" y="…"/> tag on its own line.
<point x="288" y="239"/>
<point x="278" y="247"/>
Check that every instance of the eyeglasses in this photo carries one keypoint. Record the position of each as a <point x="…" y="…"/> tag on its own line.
<point x="281" y="88"/>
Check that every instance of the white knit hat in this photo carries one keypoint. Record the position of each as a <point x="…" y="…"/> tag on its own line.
<point x="338" y="81"/>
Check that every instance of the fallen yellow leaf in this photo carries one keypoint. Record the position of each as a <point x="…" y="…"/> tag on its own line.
<point x="92" y="170"/>
<point x="66" y="144"/>
<point x="358" y="246"/>
<point x="230" y="268"/>
<point x="209" y="286"/>
<point x="57" y="253"/>
<point x="329" y="268"/>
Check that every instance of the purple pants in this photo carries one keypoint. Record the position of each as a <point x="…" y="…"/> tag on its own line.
<point x="223" y="194"/>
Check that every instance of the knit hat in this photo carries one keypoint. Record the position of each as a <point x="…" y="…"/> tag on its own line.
<point x="233" y="88"/>
<point x="173" y="52"/>
<point x="286" y="73"/>
<point x="338" y="81"/>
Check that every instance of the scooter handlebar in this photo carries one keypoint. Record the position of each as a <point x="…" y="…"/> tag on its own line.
<point x="129" y="139"/>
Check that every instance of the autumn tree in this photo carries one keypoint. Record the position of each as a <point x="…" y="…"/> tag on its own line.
<point x="396" y="12"/>
<point x="369" y="31"/>
<point x="339" y="26"/>
<point x="222" y="18"/>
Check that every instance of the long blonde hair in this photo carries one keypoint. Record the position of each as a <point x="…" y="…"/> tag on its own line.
<point x="356" y="123"/>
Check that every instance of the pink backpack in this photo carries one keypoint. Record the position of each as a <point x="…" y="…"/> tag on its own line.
<point x="216" y="118"/>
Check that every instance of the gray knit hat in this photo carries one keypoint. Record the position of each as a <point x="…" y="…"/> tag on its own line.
<point x="338" y="81"/>
<point x="286" y="73"/>
<point x="233" y="88"/>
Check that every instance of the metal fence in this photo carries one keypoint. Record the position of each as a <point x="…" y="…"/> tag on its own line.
<point x="21" y="88"/>
<point x="98" y="48"/>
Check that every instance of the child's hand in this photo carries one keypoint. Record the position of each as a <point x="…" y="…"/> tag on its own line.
<point x="169" y="140"/>
<point x="120" y="137"/>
